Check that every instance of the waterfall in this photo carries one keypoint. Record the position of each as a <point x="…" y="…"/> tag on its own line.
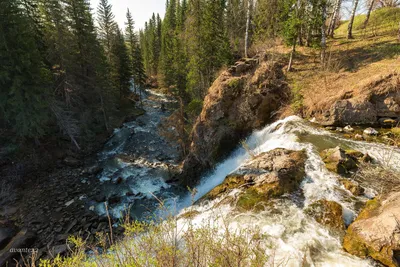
<point x="293" y="235"/>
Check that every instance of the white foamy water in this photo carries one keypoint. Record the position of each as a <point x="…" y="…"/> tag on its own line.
<point x="294" y="236"/>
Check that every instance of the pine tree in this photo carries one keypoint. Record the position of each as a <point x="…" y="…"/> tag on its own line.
<point x="107" y="26"/>
<point x="91" y="72"/>
<point x="135" y="53"/>
<point x="24" y="78"/>
<point x="121" y="65"/>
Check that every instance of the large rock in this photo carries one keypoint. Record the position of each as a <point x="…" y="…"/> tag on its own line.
<point x="376" y="231"/>
<point x="328" y="213"/>
<point x="242" y="99"/>
<point x="266" y="176"/>
<point x="366" y="105"/>
<point x="337" y="160"/>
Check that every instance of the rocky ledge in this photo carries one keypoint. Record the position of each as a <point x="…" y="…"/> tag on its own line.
<point x="266" y="176"/>
<point x="242" y="99"/>
<point x="375" y="103"/>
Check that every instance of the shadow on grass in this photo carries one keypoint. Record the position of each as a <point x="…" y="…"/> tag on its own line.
<point x="353" y="59"/>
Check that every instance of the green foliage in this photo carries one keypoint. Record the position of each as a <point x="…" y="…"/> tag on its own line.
<point x="194" y="108"/>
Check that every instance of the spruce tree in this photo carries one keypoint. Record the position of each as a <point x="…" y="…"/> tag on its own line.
<point x="24" y="78"/>
<point x="107" y="26"/>
<point x="135" y="53"/>
<point x="121" y="66"/>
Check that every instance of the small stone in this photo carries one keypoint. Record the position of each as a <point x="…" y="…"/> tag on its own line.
<point x="69" y="203"/>
<point x="348" y="129"/>
<point x="370" y="131"/>
<point x="339" y="130"/>
<point x="91" y="208"/>
<point x="358" y="137"/>
<point x="330" y="128"/>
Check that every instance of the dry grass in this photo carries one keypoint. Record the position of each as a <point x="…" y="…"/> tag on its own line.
<point x="353" y="65"/>
<point x="170" y="243"/>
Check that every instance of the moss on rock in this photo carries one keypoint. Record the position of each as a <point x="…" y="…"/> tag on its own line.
<point x="328" y="213"/>
<point x="266" y="176"/>
<point x="375" y="231"/>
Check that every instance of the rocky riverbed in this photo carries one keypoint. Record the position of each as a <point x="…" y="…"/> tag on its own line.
<point x="70" y="201"/>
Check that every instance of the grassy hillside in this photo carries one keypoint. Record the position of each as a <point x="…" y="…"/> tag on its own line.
<point x="373" y="53"/>
<point x="382" y="21"/>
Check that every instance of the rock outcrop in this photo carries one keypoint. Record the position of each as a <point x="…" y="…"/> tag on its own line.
<point x="376" y="231"/>
<point x="242" y="99"/>
<point x="266" y="176"/>
<point x="368" y="105"/>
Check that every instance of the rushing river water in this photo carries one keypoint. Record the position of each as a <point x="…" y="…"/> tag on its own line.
<point x="138" y="155"/>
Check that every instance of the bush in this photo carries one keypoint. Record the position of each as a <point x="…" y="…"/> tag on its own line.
<point x="174" y="242"/>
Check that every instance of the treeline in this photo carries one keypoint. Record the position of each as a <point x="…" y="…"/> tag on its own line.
<point x="196" y="38"/>
<point x="59" y="73"/>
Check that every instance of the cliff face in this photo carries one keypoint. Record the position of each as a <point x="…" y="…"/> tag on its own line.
<point x="242" y="99"/>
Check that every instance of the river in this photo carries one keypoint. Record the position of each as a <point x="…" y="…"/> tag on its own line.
<point x="135" y="163"/>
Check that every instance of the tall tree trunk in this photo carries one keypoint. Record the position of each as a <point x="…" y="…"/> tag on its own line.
<point x="334" y="18"/>
<point x="371" y="6"/>
<point x="353" y="14"/>
<point x="323" y="35"/>
<point x="292" y="55"/>
<point x="246" y="39"/>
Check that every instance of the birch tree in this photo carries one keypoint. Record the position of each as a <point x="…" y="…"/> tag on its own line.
<point x="370" y="7"/>
<point x="353" y="14"/>
<point x="246" y="39"/>
<point x="334" y="18"/>
<point x="323" y="34"/>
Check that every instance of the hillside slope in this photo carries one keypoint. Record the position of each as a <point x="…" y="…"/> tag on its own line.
<point x="357" y="70"/>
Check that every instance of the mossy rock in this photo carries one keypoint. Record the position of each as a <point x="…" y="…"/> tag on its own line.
<point x="328" y="213"/>
<point x="353" y="187"/>
<point x="230" y="182"/>
<point x="268" y="175"/>
<point x="375" y="231"/>
<point x="338" y="161"/>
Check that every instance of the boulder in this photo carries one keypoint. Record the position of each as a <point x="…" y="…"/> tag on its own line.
<point x="376" y="231"/>
<point x="266" y="176"/>
<point x="327" y="213"/>
<point x="370" y="131"/>
<point x="237" y="103"/>
<point x="336" y="160"/>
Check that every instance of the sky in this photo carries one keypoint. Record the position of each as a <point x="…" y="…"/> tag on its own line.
<point x="141" y="10"/>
